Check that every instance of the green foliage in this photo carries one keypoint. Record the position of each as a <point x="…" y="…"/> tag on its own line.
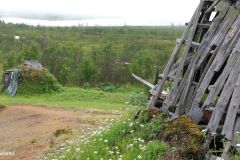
<point x="12" y="61"/>
<point x="142" y="65"/>
<point x="153" y="150"/>
<point x="31" y="53"/>
<point x="89" y="71"/>
<point x="139" y="99"/>
<point x="64" y="62"/>
<point x="152" y="129"/>
<point x="37" y="82"/>
<point x="64" y="50"/>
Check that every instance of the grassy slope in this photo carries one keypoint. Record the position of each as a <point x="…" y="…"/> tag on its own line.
<point x="124" y="140"/>
<point x="77" y="98"/>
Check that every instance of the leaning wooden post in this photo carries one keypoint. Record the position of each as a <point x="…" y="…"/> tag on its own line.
<point x="188" y="47"/>
<point x="159" y="87"/>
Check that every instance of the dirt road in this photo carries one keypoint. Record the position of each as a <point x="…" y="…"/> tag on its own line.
<point x="28" y="131"/>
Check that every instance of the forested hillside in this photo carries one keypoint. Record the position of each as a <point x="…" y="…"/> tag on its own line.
<point x="80" y="55"/>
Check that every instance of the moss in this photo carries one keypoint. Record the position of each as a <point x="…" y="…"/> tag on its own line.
<point x="37" y="82"/>
<point x="185" y="136"/>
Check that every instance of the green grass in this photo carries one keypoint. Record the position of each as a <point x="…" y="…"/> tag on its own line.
<point x="77" y="98"/>
<point x="124" y="140"/>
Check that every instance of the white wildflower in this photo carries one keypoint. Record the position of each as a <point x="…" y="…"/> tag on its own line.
<point x="131" y="124"/>
<point x="105" y="141"/>
<point x="77" y="149"/>
<point x="139" y="157"/>
<point x="130" y="145"/>
<point x="95" y="152"/>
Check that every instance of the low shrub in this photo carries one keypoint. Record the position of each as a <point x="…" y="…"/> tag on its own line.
<point x="139" y="99"/>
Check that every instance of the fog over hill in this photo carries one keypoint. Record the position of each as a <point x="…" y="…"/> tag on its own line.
<point x="104" y="12"/>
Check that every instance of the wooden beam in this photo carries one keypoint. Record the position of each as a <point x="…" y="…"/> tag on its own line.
<point x="193" y="44"/>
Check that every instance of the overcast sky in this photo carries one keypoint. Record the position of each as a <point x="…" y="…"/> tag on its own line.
<point x="147" y="12"/>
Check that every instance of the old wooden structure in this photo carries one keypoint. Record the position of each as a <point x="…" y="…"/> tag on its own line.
<point x="206" y="77"/>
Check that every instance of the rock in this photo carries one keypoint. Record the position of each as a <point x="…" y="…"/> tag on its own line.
<point x="33" y="64"/>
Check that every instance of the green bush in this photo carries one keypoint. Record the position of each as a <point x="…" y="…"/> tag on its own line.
<point x="153" y="150"/>
<point x="37" y="82"/>
<point x="139" y="99"/>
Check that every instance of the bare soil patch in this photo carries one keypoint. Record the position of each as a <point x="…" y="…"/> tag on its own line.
<point x="31" y="130"/>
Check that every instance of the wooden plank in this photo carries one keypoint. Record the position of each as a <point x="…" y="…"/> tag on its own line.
<point x="211" y="8"/>
<point x="193" y="44"/>
<point x="232" y="112"/>
<point x="220" y="58"/>
<point x="223" y="77"/>
<point x="224" y="98"/>
<point x="216" y="24"/>
<point x="235" y="139"/>
<point x="203" y="25"/>
<point x="227" y="23"/>
<point x="189" y="100"/>
<point x="143" y="81"/>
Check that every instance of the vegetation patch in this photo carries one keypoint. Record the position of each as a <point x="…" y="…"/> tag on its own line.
<point x="127" y="139"/>
<point x="60" y="132"/>
<point x="37" y="82"/>
<point x="184" y="136"/>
